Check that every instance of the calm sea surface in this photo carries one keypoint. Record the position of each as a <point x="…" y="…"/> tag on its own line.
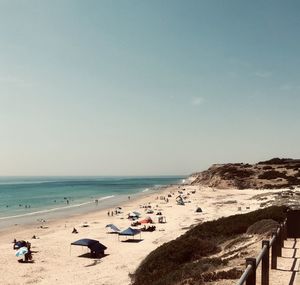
<point x="21" y="196"/>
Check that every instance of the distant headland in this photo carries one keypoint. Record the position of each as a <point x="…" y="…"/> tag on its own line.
<point x="276" y="173"/>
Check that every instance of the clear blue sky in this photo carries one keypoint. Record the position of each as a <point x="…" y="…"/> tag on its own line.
<point x="146" y="87"/>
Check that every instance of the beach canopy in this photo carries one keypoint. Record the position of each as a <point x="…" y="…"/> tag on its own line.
<point x="113" y="228"/>
<point x="130" y="232"/>
<point x="90" y="243"/>
<point x="97" y="248"/>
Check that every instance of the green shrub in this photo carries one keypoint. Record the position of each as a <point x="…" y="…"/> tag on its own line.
<point x="187" y="256"/>
<point x="272" y="174"/>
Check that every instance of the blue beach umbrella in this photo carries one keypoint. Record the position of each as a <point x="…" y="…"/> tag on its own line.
<point x="21" y="251"/>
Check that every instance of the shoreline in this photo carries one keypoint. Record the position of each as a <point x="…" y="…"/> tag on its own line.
<point x="32" y="220"/>
<point x="60" y="197"/>
<point x="69" y="211"/>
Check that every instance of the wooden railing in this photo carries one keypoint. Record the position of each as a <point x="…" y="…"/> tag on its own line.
<point x="275" y="246"/>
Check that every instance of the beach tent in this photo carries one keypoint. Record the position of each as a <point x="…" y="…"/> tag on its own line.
<point x="113" y="228"/>
<point x="179" y="200"/>
<point x="130" y="232"/>
<point x="97" y="248"/>
<point x="147" y="220"/>
<point x="198" y="210"/>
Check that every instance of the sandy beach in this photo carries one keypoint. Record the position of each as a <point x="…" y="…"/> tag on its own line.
<point x="55" y="262"/>
<point x="183" y="111"/>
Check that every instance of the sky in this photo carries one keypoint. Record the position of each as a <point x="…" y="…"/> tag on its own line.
<point x="146" y="87"/>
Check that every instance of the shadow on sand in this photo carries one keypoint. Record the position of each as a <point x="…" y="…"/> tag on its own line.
<point x="131" y="240"/>
<point x="89" y="255"/>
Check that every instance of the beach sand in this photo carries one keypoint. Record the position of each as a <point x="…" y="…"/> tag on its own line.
<point x="55" y="262"/>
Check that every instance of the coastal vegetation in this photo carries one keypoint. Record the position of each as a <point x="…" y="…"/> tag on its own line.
<point x="193" y="257"/>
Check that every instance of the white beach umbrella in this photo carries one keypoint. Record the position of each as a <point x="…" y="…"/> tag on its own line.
<point x="22" y="251"/>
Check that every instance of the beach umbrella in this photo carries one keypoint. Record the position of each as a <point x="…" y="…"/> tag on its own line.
<point x="134" y="214"/>
<point x="22" y="251"/>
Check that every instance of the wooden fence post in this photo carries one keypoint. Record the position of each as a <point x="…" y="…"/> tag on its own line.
<point x="265" y="265"/>
<point x="282" y="235"/>
<point x="251" y="280"/>
<point x="285" y="230"/>
<point x="274" y="252"/>
<point x="278" y="238"/>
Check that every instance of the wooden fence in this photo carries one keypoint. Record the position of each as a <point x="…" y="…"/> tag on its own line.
<point x="275" y="247"/>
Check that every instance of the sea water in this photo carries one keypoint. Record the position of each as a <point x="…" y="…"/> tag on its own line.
<point x="27" y="196"/>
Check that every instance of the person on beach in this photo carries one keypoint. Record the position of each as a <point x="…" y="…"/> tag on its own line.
<point x="74" y="231"/>
<point x="108" y="213"/>
<point x="14" y="242"/>
<point x="28" y="255"/>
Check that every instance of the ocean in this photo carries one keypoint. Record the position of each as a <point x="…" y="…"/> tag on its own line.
<point x="42" y="196"/>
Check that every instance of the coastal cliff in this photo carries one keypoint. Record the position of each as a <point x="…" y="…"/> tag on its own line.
<point x="275" y="173"/>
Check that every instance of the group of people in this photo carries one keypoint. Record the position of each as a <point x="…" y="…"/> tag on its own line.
<point x="27" y="249"/>
<point x="114" y="212"/>
<point x="111" y="213"/>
